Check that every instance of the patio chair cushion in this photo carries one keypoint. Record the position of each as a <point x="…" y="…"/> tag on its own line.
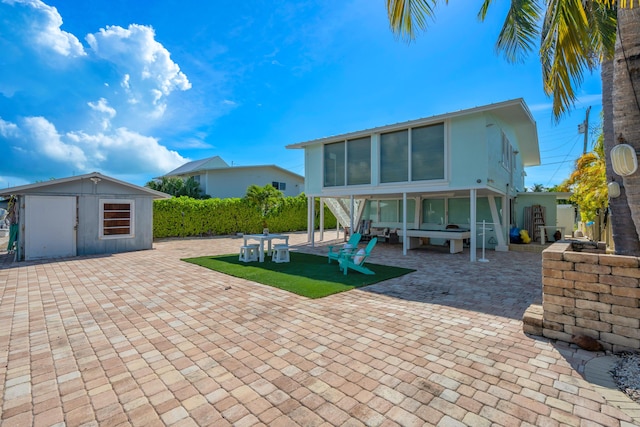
<point x="356" y="261"/>
<point x="359" y="257"/>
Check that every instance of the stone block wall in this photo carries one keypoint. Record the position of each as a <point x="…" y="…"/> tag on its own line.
<point x="593" y="294"/>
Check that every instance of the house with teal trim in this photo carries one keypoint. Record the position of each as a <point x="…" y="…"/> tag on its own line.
<point x="428" y="176"/>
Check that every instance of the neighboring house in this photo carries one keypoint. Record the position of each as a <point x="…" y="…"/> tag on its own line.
<point x="81" y="215"/>
<point x="219" y="180"/>
<point x="458" y="168"/>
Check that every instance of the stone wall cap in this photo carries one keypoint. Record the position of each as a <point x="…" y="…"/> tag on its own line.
<point x="619" y="260"/>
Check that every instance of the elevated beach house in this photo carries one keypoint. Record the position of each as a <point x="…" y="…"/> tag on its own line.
<point x="451" y="173"/>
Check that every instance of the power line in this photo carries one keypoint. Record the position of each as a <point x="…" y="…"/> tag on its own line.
<point x="576" y="138"/>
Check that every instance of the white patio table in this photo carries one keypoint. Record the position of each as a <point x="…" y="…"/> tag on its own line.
<point x="265" y="238"/>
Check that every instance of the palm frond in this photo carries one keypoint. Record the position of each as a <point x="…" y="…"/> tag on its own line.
<point x="520" y="29"/>
<point x="621" y="3"/>
<point x="602" y="22"/>
<point x="407" y="17"/>
<point x="566" y="50"/>
<point x="482" y="14"/>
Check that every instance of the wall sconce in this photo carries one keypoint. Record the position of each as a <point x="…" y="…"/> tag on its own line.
<point x="516" y="152"/>
<point x="624" y="159"/>
<point x="614" y="189"/>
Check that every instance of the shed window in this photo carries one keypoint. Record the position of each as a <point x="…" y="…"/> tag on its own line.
<point x="116" y="218"/>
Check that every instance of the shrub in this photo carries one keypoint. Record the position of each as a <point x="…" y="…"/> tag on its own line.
<point x="184" y="217"/>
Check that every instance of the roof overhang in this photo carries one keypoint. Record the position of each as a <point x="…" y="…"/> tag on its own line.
<point x="34" y="188"/>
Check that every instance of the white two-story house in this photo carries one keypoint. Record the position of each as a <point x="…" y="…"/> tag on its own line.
<point x="219" y="180"/>
<point x="455" y="169"/>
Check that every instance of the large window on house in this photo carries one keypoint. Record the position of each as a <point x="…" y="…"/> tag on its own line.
<point x="422" y="148"/>
<point x="359" y="161"/>
<point x="427" y="152"/>
<point x="334" y="164"/>
<point x="347" y="162"/>
<point x="394" y="156"/>
<point x="116" y="218"/>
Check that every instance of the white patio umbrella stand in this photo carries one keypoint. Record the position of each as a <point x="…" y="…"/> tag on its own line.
<point x="483" y="234"/>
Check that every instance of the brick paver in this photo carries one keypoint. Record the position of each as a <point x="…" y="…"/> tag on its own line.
<point x="143" y="338"/>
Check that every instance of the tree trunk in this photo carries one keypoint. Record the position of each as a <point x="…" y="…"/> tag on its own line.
<point x="626" y="106"/>
<point x="625" y="237"/>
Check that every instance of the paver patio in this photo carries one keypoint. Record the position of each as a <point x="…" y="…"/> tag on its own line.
<point x="145" y="339"/>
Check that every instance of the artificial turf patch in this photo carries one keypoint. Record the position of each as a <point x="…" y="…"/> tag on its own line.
<point x="307" y="275"/>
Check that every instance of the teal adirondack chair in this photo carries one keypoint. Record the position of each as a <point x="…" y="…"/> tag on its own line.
<point x="355" y="261"/>
<point x="340" y="250"/>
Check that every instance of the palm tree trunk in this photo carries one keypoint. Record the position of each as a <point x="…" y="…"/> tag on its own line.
<point x="626" y="107"/>
<point x="625" y="237"/>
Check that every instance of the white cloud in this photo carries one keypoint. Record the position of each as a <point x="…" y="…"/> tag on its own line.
<point x="7" y="129"/>
<point x="148" y="73"/>
<point x="44" y="28"/>
<point x="105" y="111"/>
<point x="35" y="143"/>
<point x="40" y="136"/>
<point x="70" y="110"/>
<point x="124" y="150"/>
<point x="103" y="106"/>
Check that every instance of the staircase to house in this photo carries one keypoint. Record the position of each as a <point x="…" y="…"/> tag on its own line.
<point x="341" y="209"/>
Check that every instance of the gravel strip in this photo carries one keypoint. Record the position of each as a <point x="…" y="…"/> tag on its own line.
<point x="626" y="374"/>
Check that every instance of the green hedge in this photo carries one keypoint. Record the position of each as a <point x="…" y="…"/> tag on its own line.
<point x="184" y="216"/>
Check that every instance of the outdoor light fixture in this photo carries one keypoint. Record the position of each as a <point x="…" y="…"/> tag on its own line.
<point x="624" y="159"/>
<point x="614" y="189"/>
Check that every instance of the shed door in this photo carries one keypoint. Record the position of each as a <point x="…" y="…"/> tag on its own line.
<point x="49" y="227"/>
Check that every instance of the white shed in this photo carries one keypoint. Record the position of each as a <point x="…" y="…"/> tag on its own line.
<point x="80" y="215"/>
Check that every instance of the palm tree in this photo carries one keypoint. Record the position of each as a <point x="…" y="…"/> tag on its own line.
<point x="265" y="199"/>
<point x="623" y="230"/>
<point x="575" y="35"/>
<point x="538" y="188"/>
<point x="178" y="187"/>
<point x="588" y="182"/>
<point x="626" y="118"/>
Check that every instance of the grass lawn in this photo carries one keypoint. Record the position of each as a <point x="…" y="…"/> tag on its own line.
<point x="307" y="275"/>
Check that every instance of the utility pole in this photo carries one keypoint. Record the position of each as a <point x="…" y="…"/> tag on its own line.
<point x="584" y="128"/>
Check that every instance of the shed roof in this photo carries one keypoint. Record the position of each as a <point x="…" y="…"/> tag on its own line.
<point x="97" y="177"/>
<point x="513" y="111"/>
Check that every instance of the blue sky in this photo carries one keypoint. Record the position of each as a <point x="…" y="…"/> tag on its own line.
<point x="133" y="89"/>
